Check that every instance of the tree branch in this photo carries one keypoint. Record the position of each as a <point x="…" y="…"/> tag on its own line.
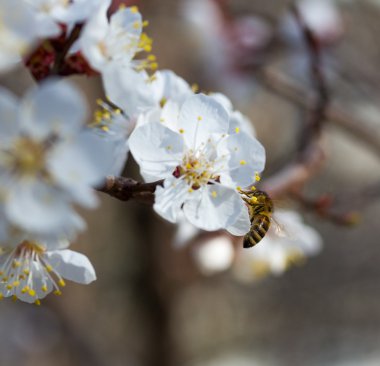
<point x="125" y="189"/>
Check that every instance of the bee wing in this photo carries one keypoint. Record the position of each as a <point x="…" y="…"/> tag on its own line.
<point x="280" y="228"/>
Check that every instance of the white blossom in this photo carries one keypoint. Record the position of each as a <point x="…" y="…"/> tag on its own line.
<point x="117" y="40"/>
<point x="33" y="268"/>
<point x="17" y="32"/>
<point x="279" y="249"/>
<point x="202" y="165"/>
<point x="48" y="160"/>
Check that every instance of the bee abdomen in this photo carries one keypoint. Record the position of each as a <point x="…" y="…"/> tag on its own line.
<point x="260" y="226"/>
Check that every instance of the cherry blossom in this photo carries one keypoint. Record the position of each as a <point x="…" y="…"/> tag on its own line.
<point x="48" y="160"/>
<point x="201" y="164"/>
<point x="32" y="269"/>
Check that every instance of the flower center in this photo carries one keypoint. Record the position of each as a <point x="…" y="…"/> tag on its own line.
<point x="26" y="272"/>
<point x="27" y="157"/>
<point x="196" y="170"/>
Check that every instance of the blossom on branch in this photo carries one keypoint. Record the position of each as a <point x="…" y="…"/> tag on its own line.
<point x="201" y="164"/>
<point x="48" y="159"/>
<point x="32" y="269"/>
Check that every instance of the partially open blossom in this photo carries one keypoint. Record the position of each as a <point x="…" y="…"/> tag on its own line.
<point x="278" y="250"/>
<point x="202" y="165"/>
<point x="48" y="160"/>
<point x="116" y="40"/>
<point x="32" y="269"/>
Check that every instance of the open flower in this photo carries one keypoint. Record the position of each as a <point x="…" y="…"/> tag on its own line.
<point x="47" y="159"/>
<point x="278" y="250"/>
<point x="201" y="164"/>
<point x="32" y="269"/>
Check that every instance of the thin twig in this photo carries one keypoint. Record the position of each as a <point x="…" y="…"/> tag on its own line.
<point x="61" y="55"/>
<point x="125" y="189"/>
<point x="310" y="155"/>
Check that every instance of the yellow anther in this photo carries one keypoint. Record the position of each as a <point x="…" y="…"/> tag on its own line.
<point x="190" y="190"/>
<point x="257" y="177"/>
<point x="99" y="102"/>
<point x="16" y="283"/>
<point x="181" y="130"/>
<point x="151" y="58"/>
<point x="57" y="293"/>
<point x="49" y="268"/>
<point x="169" y="147"/>
<point x="26" y="271"/>
<point x="153" y="65"/>
<point x="243" y="162"/>
<point x="254" y="200"/>
<point x="25" y="289"/>
<point x="145" y="23"/>
<point x="21" y="277"/>
<point x="253" y="188"/>
<point x="199" y="118"/>
<point x="147" y="48"/>
<point x="134" y="9"/>
<point x="214" y="194"/>
<point x="61" y="283"/>
<point x="195" y="88"/>
<point x="9" y="287"/>
<point x="16" y="264"/>
<point x="238" y="188"/>
<point x="37" y="302"/>
<point x="14" y="298"/>
<point x="137" y="24"/>
<point x="44" y="288"/>
<point x="237" y="129"/>
<point x="1" y="296"/>
<point x="105" y="128"/>
<point x="188" y="166"/>
<point x="31" y="292"/>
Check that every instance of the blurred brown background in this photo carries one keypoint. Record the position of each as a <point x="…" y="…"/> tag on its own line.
<point x="151" y="307"/>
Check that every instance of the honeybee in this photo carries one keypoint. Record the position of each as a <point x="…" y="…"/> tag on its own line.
<point x="260" y="208"/>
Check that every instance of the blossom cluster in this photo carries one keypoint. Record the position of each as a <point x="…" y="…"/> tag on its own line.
<point x="199" y="150"/>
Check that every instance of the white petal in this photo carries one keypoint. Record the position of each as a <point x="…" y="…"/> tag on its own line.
<point x="242" y="224"/>
<point x="216" y="208"/>
<point x="128" y="89"/>
<point x="157" y="149"/>
<point x="169" y="199"/>
<point x="53" y="108"/>
<point x="72" y="266"/>
<point x="80" y="165"/>
<point x="92" y="40"/>
<point x="9" y="125"/>
<point x="169" y="86"/>
<point x="247" y="156"/>
<point x="40" y="208"/>
<point x="201" y="116"/>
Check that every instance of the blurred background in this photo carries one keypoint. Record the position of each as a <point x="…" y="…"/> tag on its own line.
<point x="151" y="306"/>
